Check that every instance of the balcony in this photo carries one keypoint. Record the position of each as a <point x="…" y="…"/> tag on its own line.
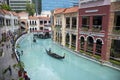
<point x="68" y="26"/>
<point x="74" y="27"/>
<point x="116" y="30"/>
<point x="58" y="27"/>
<point x="85" y="27"/>
<point x="97" y="28"/>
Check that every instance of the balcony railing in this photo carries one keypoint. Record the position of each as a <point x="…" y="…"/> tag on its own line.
<point x="97" y="28"/>
<point x="116" y="30"/>
<point x="74" y="27"/>
<point x="67" y="25"/>
<point x="58" y="27"/>
<point x="85" y="27"/>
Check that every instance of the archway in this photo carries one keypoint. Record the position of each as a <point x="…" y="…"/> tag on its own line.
<point x="73" y="44"/>
<point x="98" y="46"/>
<point x="82" y="42"/>
<point x="90" y="42"/>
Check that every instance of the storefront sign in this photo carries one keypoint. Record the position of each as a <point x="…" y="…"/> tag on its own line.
<point x="91" y="11"/>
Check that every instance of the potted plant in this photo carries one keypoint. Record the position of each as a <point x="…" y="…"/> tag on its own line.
<point x="20" y="67"/>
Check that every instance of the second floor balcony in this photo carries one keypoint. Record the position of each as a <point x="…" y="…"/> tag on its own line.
<point x="58" y="27"/>
<point x="85" y="27"/>
<point x="97" y="28"/>
<point x="68" y="26"/>
<point x="74" y="27"/>
<point x="116" y="30"/>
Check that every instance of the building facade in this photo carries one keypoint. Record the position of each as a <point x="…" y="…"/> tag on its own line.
<point x="65" y="27"/>
<point x="93" y="27"/>
<point x="18" y="5"/>
<point x="8" y="22"/>
<point x="39" y="24"/>
<point x="113" y="46"/>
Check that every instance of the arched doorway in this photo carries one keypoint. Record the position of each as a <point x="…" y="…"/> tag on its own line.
<point x="90" y="43"/>
<point x="82" y="42"/>
<point x="35" y="29"/>
<point x="73" y="45"/>
<point x="30" y="29"/>
<point x="98" y="47"/>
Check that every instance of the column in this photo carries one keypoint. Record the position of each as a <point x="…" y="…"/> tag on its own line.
<point x="85" y="46"/>
<point x="91" y="23"/>
<point x="5" y="25"/>
<point x="70" y="22"/>
<point x="76" y="47"/>
<point x="70" y="41"/>
<point x="102" y="53"/>
<point x="103" y="23"/>
<point x="58" y="38"/>
<point x="109" y="42"/>
<point x="63" y="39"/>
<point x="94" y="48"/>
<point x="63" y="30"/>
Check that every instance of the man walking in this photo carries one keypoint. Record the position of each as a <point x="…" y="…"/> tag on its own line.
<point x="10" y="70"/>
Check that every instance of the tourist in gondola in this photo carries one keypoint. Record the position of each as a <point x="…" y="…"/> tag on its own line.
<point x="49" y="50"/>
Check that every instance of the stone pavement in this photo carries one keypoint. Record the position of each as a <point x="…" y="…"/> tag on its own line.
<point x="7" y="60"/>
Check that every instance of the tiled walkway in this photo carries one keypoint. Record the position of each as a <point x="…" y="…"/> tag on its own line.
<point x="5" y="61"/>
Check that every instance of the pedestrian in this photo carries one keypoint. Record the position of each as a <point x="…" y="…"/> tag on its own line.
<point x="49" y="50"/>
<point x="13" y="49"/>
<point x="10" y="70"/>
<point x="6" y="46"/>
<point x="18" y="54"/>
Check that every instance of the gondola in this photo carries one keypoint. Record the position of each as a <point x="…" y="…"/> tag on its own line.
<point x="55" y="55"/>
<point x="34" y="40"/>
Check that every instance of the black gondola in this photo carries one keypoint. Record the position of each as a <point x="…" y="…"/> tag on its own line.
<point x="34" y="40"/>
<point x="55" y="55"/>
